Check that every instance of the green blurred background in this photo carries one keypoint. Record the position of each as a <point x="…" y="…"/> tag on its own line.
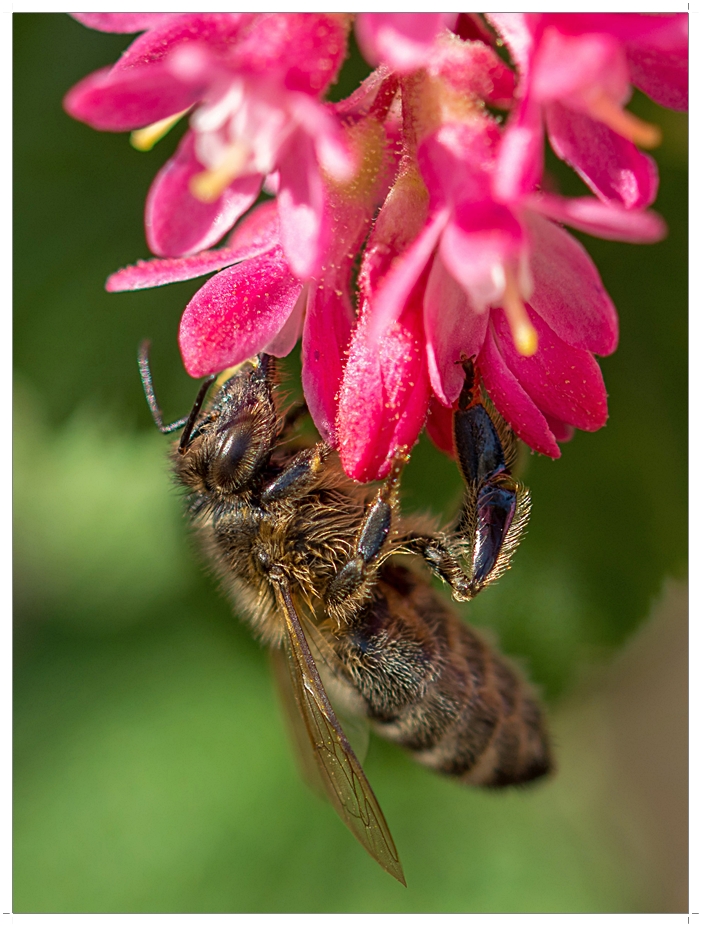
<point x="152" y="771"/>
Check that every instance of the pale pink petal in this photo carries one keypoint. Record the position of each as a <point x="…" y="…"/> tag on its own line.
<point x="456" y="160"/>
<point x="258" y="231"/>
<point x="483" y="237"/>
<point x="609" y="164"/>
<point x="120" y="22"/>
<point x="564" y="382"/>
<point x="516" y="29"/>
<point x="605" y="220"/>
<point x="237" y="313"/>
<point x="122" y="101"/>
<point x="303" y="229"/>
<point x="454" y="331"/>
<point x="330" y="146"/>
<point x="567" y="289"/>
<point x="568" y="67"/>
<point x="439" y="427"/>
<point x="513" y="402"/>
<point x="472" y="68"/>
<point x="519" y="167"/>
<point x="327" y="331"/>
<point x="176" y="222"/>
<point x="401" y="40"/>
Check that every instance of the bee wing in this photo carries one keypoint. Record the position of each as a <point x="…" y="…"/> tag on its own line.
<point x="339" y="770"/>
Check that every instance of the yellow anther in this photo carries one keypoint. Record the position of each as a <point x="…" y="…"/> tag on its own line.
<point x="625" y="123"/>
<point x="524" y="334"/>
<point x="209" y="185"/>
<point x="145" y="139"/>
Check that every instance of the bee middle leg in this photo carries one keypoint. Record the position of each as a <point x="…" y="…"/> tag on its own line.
<point x="351" y="581"/>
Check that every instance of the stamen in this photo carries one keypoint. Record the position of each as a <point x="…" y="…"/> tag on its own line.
<point x="145" y="139"/>
<point x="209" y="185"/>
<point x="524" y="334"/>
<point x="625" y="123"/>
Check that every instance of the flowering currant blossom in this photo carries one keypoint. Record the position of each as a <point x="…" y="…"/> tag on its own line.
<point x="253" y="83"/>
<point x="461" y="253"/>
<point x="576" y="73"/>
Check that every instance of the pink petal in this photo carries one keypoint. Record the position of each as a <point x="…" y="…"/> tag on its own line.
<point x="472" y="68"/>
<point x="568" y="293"/>
<point x="327" y="331"/>
<point x="453" y="331"/>
<point x="120" y="22"/>
<point x="519" y="167"/>
<point x="401" y="40"/>
<point x="610" y="165"/>
<point x="516" y="31"/>
<point x="176" y="222"/>
<point x="512" y="402"/>
<point x="254" y="235"/>
<point x="604" y="220"/>
<point x="564" y="382"/>
<point x="219" y="32"/>
<point x="457" y="158"/>
<point x="661" y="69"/>
<point x="301" y="51"/>
<point x="126" y="100"/>
<point x="439" y="427"/>
<point x="303" y="229"/>
<point x="286" y="338"/>
<point x="563" y="432"/>
<point x="482" y="238"/>
<point x="237" y="313"/>
<point x="395" y="290"/>
<point x="384" y="397"/>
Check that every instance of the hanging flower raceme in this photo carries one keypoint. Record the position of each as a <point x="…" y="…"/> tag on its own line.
<point x="461" y="252"/>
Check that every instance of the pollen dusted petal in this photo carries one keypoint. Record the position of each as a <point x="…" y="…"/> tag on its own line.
<point x="564" y="382"/>
<point x="611" y="166"/>
<point x="177" y="223"/>
<point x="237" y="313"/>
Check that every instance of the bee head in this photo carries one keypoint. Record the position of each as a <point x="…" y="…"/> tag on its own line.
<point x="223" y="447"/>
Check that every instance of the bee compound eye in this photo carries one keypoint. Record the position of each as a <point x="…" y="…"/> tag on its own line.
<point x="235" y="459"/>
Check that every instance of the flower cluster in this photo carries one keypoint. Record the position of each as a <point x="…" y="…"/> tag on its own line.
<point x="407" y="227"/>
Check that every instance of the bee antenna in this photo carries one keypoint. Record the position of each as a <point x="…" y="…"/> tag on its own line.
<point x="147" y="382"/>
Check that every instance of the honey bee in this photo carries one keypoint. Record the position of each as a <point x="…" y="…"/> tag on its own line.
<point x="312" y="560"/>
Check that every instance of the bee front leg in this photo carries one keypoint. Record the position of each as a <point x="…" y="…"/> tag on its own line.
<point x="350" y="582"/>
<point x="298" y="476"/>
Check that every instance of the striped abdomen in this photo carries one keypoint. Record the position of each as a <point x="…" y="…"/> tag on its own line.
<point x="432" y="684"/>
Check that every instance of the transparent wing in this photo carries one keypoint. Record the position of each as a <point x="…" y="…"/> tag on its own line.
<point x="340" y="771"/>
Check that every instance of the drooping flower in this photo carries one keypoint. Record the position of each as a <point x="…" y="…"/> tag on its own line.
<point x="255" y="83"/>
<point x="576" y="72"/>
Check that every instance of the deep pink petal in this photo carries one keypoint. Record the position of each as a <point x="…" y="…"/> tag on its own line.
<point x="401" y="40"/>
<point x="439" y="427"/>
<point x="327" y="331"/>
<point x="564" y="382"/>
<point x="394" y="291"/>
<point x="563" y="432"/>
<point x="570" y="67"/>
<point x="610" y="165"/>
<point x="604" y="220"/>
<point x="661" y="70"/>
<point x="453" y="331"/>
<point x="567" y="289"/>
<point x="286" y="338"/>
<point x="176" y="222"/>
<point x="384" y="397"/>
<point x="237" y="313"/>
<point x="218" y="31"/>
<point x="303" y="229"/>
<point x="303" y="51"/>
<point x="120" y="101"/>
<point x="120" y="22"/>
<point x="254" y="235"/>
<point x="513" y="402"/>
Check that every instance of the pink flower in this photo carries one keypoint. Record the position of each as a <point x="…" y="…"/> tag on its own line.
<point x="576" y="72"/>
<point x="403" y="41"/>
<point x="450" y="273"/>
<point x="254" y="82"/>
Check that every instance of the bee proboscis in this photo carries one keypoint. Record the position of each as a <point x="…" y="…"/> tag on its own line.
<point x="312" y="560"/>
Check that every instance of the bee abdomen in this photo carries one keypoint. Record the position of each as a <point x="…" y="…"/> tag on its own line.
<point x="435" y="687"/>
